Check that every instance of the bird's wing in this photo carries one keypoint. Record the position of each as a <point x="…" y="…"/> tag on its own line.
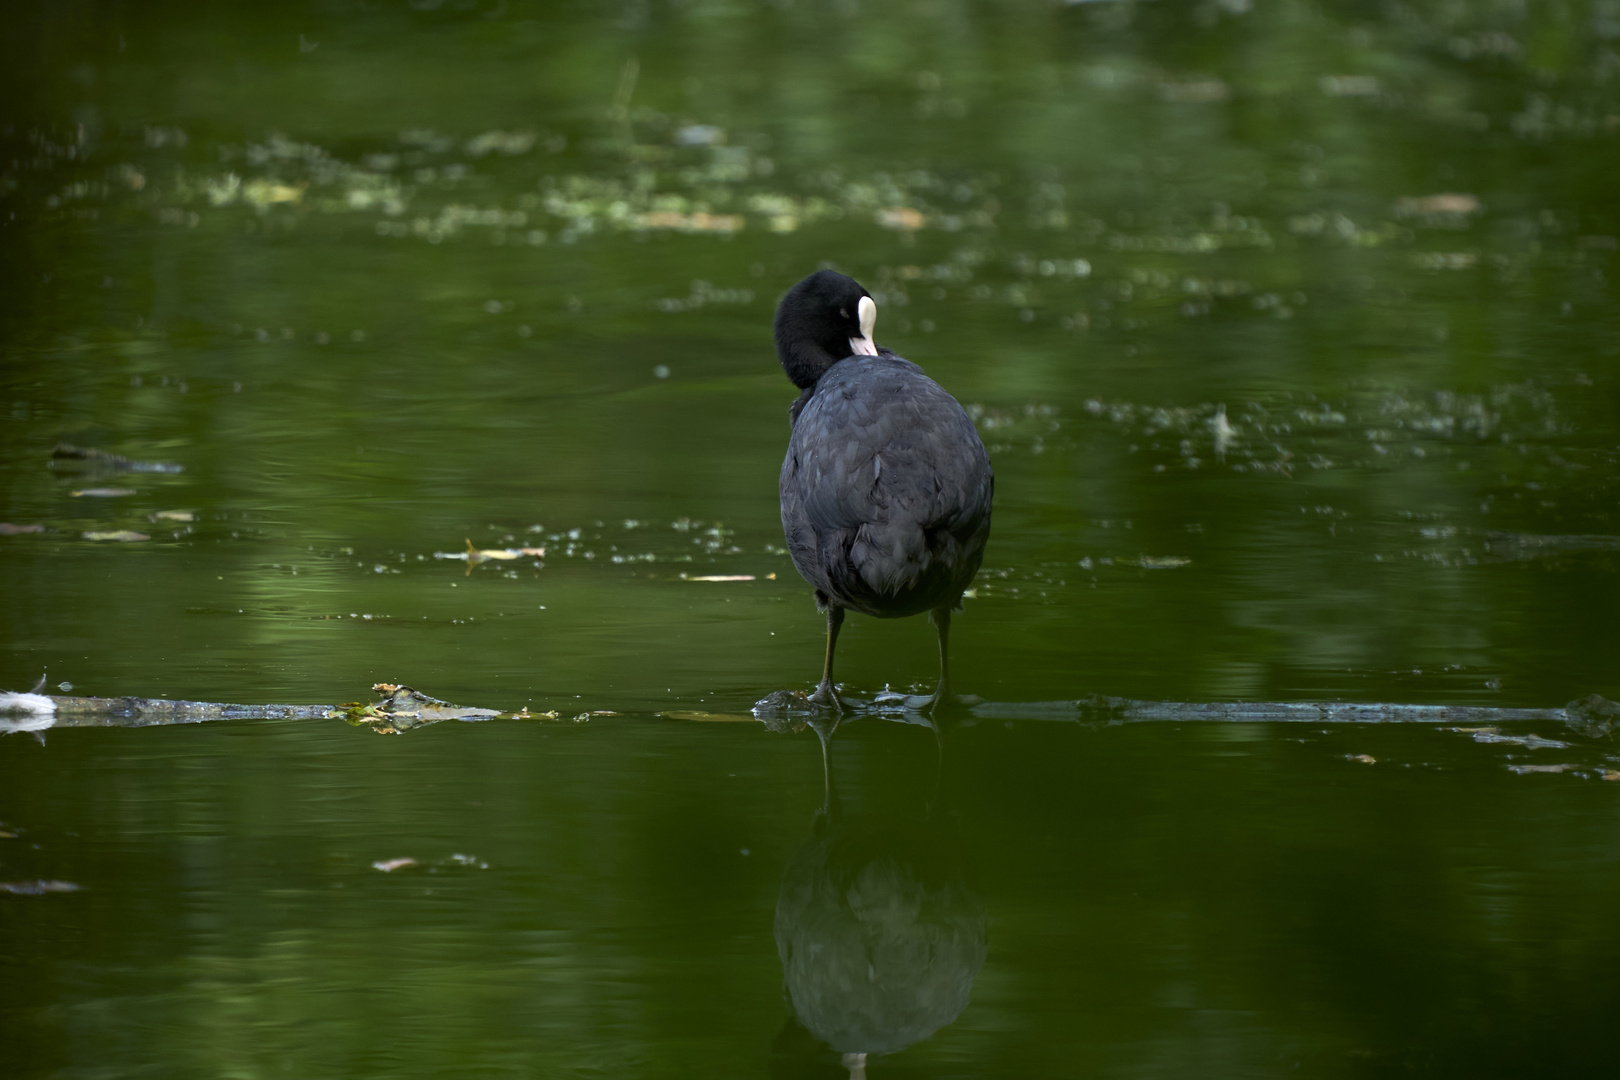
<point x="893" y="450"/>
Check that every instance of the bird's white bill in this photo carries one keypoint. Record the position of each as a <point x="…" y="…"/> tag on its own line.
<point x="864" y="345"/>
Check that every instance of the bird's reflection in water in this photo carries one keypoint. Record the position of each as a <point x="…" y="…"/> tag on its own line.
<point x="879" y="934"/>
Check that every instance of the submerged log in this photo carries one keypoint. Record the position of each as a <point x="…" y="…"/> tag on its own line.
<point x="400" y="709"/>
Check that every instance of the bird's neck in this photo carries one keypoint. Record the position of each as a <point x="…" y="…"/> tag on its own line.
<point x="805" y="362"/>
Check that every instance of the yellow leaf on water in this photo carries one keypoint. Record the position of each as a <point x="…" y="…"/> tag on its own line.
<point x="478" y="555"/>
<point x="124" y="535"/>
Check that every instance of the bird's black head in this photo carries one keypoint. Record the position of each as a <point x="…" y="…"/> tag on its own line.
<point x="821" y="320"/>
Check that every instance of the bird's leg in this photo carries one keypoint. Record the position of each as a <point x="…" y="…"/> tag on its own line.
<point x="825" y="693"/>
<point x="942" y="623"/>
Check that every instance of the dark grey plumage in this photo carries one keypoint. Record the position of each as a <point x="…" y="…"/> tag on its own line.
<point x="886" y="487"/>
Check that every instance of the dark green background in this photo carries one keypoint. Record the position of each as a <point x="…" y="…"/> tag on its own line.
<point x="388" y="277"/>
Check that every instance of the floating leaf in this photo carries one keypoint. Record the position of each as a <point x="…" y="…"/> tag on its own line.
<point x="8" y="529"/>
<point x="172" y="515"/>
<point x="474" y="555"/>
<point x="1365" y="759"/>
<point x="102" y="493"/>
<point x="388" y="866"/>
<point x="1523" y="769"/>
<point x="720" y="577"/>
<point x="1162" y="562"/>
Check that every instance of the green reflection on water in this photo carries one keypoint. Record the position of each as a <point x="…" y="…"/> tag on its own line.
<point x="1289" y="329"/>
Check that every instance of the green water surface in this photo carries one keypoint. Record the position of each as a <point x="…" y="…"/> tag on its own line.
<point x="1289" y="328"/>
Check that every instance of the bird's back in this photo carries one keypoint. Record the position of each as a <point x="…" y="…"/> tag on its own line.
<point x="886" y="489"/>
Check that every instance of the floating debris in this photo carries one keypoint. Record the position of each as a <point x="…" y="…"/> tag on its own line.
<point x="1531" y="742"/>
<point x="125" y="536"/>
<point x="474" y="556"/>
<point x="1222" y="431"/>
<point x="1365" y="759"/>
<point x="721" y="577"/>
<point x="8" y="529"/>
<point x="172" y="515"/>
<point x="1594" y="716"/>
<point x="101" y="459"/>
<point x="458" y="859"/>
<point x="1165" y="562"/>
<point x="1446" y="203"/>
<point x="102" y="493"/>
<point x="403" y="708"/>
<point x="1524" y="769"/>
<point x="38" y="888"/>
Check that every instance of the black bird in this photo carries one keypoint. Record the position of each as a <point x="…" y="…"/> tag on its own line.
<point x="886" y="486"/>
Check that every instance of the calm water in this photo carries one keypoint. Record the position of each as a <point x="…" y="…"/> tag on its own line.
<point x="1289" y="328"/>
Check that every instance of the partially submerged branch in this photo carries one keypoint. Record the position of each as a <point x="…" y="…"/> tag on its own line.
<point x="401" y="708"/>
<point x="1593" y="715"/>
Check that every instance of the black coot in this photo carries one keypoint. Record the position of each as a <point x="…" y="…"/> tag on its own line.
<point x="886" y="486"/>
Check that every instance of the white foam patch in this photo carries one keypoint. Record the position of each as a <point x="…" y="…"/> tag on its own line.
<point x="30" y="704"/>
<point x="25" y="712"/>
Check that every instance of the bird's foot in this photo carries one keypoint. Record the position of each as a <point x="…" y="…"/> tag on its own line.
<point x="826" y="696"/>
